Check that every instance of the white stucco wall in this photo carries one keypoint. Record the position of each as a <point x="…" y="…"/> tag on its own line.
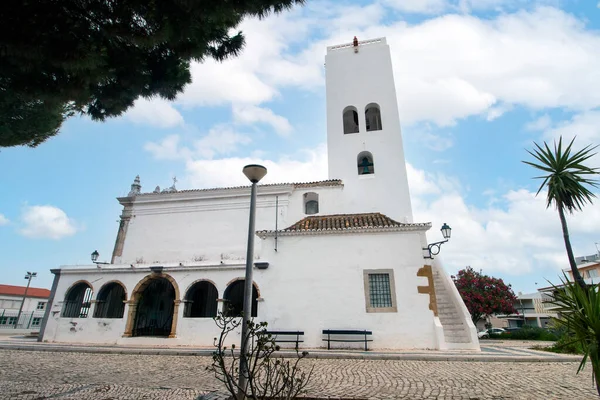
<point x="12" y="303"/>
<point x="358" y="79"/>
<point x="197" y="226"/>
<point x="312" y="283"/>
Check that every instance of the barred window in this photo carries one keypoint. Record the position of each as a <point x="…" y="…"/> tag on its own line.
<point x="36" y="321"/>
<point x="380" y="291"/>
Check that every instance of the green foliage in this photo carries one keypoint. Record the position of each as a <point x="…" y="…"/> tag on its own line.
<point x="565" y="179"/>
<point x="484" y="295"/>
<point x="566" y="176"/>
<point x="564" y="345"/>
<point x="532" y="333"/>
<point x="96" y="57"/>
<point x="579" y="311"/>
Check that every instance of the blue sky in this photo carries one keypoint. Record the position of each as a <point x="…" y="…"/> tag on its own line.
<point x="477" y="82"/>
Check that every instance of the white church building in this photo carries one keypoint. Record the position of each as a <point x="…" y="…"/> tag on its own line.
<point x="340" y="254"/>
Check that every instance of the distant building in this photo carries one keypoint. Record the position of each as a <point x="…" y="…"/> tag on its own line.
<point x="34" y="306"/>
<point x="531" y="311"/>
<point x="589" y="268"/>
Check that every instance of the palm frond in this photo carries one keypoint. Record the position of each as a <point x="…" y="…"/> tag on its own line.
<point x="567" y="178"/>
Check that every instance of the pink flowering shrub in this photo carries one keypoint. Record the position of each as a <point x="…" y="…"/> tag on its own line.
<point x="484" y="295"/>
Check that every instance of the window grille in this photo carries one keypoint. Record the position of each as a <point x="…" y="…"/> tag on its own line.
<point x="379" y="290"/>
<point x="41" y="305"/>
<point x="155" y="307"/>
<point x="312" y="207"/>
<point x="201" y="301"/>
<point x="36" y="322"/>
<point x="234" y="299"/>
<point x="110" y="302"/>
<point x="8" y="320"/>
<point x="77" y="301"/>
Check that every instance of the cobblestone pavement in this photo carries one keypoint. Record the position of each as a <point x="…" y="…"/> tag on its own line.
<point x="55" y="375"/>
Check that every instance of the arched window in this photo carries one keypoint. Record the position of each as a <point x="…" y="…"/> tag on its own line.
<point x="373" y="117"/>
<point x="201" y="301"/>
<point x="311" y="203"/>
<point x="77" y="301"/>
<point x="365" y="163"/>
<point x="350" y="118"/>
<point x="234" y="299"/>
<point x="110" y="302"/>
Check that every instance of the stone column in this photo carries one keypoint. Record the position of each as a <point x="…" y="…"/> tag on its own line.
<point x="50" y="303"/>
<point x="131" y="314"/>
<point x="173" y="333"/>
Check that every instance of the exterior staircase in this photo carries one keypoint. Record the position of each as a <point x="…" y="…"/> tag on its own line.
<point x="457" y="332"/>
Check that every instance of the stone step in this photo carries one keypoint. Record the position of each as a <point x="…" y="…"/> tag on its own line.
<point x="454" y="323"/>
<point x="458" y="340"/>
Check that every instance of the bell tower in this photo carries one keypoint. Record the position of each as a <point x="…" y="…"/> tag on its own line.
<point x="364" y="141"/>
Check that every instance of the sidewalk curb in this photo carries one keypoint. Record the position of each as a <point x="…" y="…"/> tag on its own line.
<point x="316" y="354"/>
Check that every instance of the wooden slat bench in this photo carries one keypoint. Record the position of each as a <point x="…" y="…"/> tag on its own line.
<point x="346" y="332"/>
<point x="276" y="335"/>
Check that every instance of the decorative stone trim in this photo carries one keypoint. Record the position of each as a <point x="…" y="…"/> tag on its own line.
<point x="427" y="272"/>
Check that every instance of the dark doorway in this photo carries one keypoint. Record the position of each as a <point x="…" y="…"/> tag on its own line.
<point x="201" y="301"/>
<point x="154" y="315"/>
<point x="234" y="299"/>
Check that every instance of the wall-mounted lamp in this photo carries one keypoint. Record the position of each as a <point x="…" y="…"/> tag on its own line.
<point x="261" y="264"/>
<point x="95" y="256"/>
<point x="433" y="249"/>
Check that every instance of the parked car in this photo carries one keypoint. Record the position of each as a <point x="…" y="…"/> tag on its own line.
<point x="485" y="334"/>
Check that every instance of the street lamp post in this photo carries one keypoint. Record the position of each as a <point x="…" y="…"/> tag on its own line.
<point x="29" y="276"/>
<point x="254" y="173"/>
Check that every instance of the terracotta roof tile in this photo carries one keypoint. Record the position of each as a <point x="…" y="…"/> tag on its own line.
<point x="345" y="223"/>
<point x="342" y="221"/>
<point x="296" y="185"/>
<point x="20" y="291"/>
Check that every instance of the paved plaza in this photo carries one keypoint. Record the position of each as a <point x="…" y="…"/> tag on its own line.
<point x="76" y="375"/>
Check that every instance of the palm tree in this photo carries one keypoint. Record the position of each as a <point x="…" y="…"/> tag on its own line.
<point x="566" y="179"/>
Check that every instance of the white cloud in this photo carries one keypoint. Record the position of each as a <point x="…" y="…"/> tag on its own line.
<point x="252" y="114"/>
<point x="221" y="140"/>
<point x="308" y="165"/>
<point x="514" y="235"/>
<point x="167" y="149"/>
<point x="3" y="220"/>
<point x="47" y="222"/>
<point x="542" y="123"/>
<point x="418" y="6"/>
<point x="155" y="112"/>
<point x="586" y="126"/>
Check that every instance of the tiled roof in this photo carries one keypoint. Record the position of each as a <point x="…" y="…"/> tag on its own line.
<point x="10" y="290"/>
<point x="345" y="222"/>
<point x="296" y="185"/>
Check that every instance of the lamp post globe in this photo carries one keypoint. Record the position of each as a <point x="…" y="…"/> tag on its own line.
<point x="95" y="256"/>
<point x="254" y="172"/>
